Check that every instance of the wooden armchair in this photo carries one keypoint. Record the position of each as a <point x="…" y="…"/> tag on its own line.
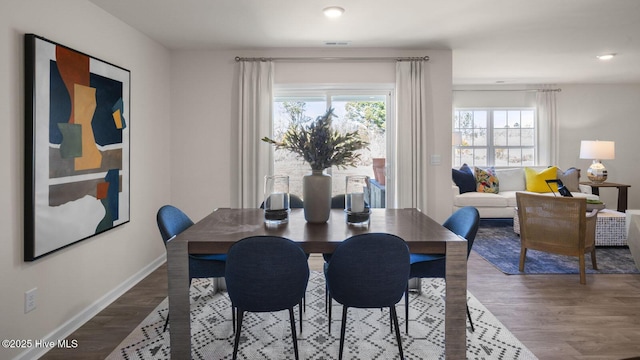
<point x="557" y="225"/>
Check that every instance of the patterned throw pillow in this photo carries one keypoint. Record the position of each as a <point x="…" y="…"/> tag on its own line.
<point x="570" y="178"/>
<point x="464" y="179"/>
<point x="486" y="180"/>
<point x="536" y="180"/>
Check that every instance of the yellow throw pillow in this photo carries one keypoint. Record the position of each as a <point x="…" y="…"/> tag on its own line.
<point x="536" y="180"/>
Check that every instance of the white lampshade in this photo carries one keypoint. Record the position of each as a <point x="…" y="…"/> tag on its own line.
<point x="600" y="150"/>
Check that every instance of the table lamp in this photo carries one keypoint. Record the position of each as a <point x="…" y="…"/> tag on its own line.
<point x="597" y="150"/>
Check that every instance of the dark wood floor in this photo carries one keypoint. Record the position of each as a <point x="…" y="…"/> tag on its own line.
<point x="553" y="315"/>
<point x="99" y="336"/>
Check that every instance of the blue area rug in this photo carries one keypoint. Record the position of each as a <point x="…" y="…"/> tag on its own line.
<point x="498" y="244"/>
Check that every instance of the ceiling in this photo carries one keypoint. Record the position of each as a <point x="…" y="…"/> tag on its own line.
<point x="493" y="41"/>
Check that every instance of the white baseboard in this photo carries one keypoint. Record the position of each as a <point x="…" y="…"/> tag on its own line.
<point x="92" y="310"/>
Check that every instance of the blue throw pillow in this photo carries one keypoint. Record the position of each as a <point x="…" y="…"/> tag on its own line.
<point x="464" y="179"/>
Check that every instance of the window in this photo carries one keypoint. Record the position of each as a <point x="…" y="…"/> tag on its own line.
<point x="364" y="111"/>
<point x="494" y="137"/>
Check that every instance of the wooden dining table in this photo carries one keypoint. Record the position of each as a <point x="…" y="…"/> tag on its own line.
<point x="219" y="230"/>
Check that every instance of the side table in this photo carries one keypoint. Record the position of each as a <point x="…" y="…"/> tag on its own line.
<point x="622" y="192"/>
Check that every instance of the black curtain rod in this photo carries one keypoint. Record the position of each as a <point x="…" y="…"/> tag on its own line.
<point x="292" y="59"/>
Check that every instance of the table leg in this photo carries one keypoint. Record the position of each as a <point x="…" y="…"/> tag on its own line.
<point x="179" y="304"/>
<point x="455" y="323"/>
<point x="622" y="198"/>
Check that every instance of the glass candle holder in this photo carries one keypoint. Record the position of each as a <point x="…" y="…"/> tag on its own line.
<point x="357" y="203"/>
<point x="276" y="199"/>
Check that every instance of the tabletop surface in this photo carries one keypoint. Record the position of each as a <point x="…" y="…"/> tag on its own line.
<point x="223" y="227"/>
<point x="604" y="184"/>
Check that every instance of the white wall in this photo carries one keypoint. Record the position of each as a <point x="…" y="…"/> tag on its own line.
<point x="202" y="92"/>
<point x="603" y="112"/>
<point x="585" y="112"/>
<point x="73" y="281"/>
<point x="205" y="96"/>
<point x="498" y="96"/>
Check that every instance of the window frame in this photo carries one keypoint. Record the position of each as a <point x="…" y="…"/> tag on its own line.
<point x="329" y="91"/>
<point x="491" y="146"/>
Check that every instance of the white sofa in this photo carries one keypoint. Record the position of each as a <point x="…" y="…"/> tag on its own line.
<point x="512" y="180"/>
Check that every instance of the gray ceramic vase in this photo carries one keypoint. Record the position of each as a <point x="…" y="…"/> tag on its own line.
<point x="316" y="192"/>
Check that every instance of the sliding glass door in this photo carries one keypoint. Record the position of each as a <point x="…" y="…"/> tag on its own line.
<point x="365" y="111"/>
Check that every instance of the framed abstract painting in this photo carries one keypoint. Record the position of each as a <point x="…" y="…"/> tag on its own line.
<point x="76" y="146"/>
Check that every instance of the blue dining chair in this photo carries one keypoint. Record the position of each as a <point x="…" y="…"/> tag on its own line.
<point x="295" y="202"/>
<point x="369" y="271"/>
<point x="266" y="274"/>
<point x="464" y="222"/>
<point x="171" y="222"/>
<point x="337" y="201"/>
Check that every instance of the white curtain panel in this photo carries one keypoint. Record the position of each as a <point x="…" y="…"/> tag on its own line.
<point x="414" y="129"/>
<point x="548" y="141"/>
<point x="255" y="122"/>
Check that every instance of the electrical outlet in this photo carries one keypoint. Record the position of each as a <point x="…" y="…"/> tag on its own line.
<point x="30" y="300"/>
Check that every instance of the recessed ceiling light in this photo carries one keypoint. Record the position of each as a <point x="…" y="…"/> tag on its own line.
<point x="333" y="12"/>
<point x="606" y="56"/>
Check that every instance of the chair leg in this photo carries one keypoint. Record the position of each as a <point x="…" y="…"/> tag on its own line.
<point x="300" y="311"/>
<point x="470" y="321"/>
<point x="233" y="317"/>
<point x="583" y="276"/>
<point x="593" y="259"/>
<point x="166" y="322"/>
<point x="292" y="320"/>
<point x="406" y="310"/>
<point x="330" y="303"/>
<point x="326" y="298"/>
<point x="394" y="315"/>
<point x="237" y="338"/>
<point x="390" y="322"/>
<point x="342" y="331"/>
<point x="523" y="256"/>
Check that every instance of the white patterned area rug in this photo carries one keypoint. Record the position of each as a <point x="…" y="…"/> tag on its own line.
<point x="368" y="334"/>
